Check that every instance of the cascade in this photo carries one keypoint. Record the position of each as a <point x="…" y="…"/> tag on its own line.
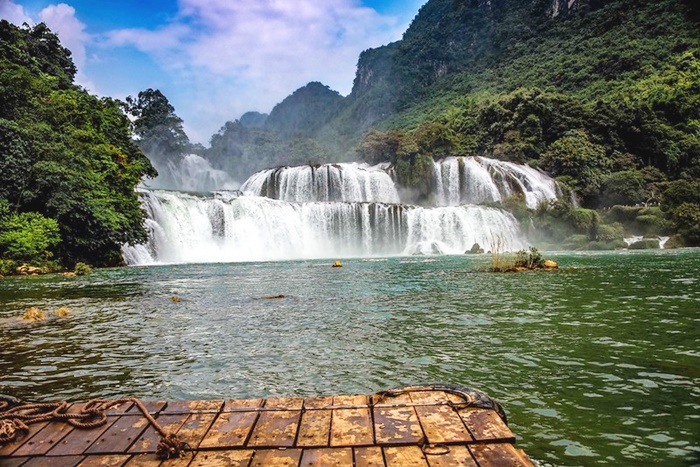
<point x="329" y="182"/>
<point x="185" y="228"/>
<point x="474" y="180"/>
<point x="334" y="211"/>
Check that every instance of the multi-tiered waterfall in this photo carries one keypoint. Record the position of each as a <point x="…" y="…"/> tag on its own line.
<point x="338" y="210"/>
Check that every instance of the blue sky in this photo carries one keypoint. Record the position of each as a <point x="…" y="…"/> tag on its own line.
<point x="216" y="59"/>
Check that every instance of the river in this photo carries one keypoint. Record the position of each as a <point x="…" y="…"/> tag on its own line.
<point x="596" y="363"/>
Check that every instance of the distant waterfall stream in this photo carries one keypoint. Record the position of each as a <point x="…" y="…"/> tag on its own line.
<point x="336" y="211"/>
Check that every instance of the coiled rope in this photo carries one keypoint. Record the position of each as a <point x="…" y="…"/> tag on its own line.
<point x="15" y="421"/>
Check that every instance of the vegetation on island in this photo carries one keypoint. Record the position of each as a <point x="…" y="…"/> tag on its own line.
<point x="68" y="161"/>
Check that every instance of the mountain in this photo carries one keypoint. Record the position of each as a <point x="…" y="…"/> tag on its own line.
<point x="603" y="94"/>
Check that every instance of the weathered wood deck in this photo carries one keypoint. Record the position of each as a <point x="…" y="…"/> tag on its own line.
<point x="414" y="427"/>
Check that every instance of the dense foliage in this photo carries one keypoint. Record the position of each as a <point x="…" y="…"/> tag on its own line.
<point x="68" y="164"/>
<point x="605" y="97"/>
<point x="157" y="127"/>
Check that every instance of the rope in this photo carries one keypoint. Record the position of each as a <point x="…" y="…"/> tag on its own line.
<point x="15" y="421"/>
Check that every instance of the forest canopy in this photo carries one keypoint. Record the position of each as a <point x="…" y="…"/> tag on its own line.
<point x="68" y="165"/>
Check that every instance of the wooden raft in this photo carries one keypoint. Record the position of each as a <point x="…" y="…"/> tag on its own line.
<point x="412" y="428"/>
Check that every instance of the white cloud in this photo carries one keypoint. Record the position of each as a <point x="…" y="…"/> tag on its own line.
<point x="61" y="19"/>
<point x="234" y="56"/>
<point x="13" y="13"/>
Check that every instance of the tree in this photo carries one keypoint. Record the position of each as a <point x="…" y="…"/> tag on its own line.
<point x="623" y="188"/>
<point x="158" y="128"/>
<point x="582" y="162"/>
<point x="68" y="162"/>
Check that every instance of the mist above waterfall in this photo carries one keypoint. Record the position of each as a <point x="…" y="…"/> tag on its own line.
<point x="191" y="173"/>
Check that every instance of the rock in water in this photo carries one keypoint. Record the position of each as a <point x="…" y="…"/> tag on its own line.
<point x="550" y="264"/>
<point x="34" y="314"/>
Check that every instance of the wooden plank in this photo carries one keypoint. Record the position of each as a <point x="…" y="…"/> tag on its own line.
<point x="457" y="455"/>
<point x="148" y="441"/>
<point x="315" y="426"/>
<point x="397" y="425"/>
<point x="275" y="429"/>
<point x="429" y="397"/>
<point x="193" y="430"/>
<point x="44" y="440"/>
<point x="369" y="456"/>
<point x="183" y="461"/>
<point x="486" y="426"/>
<point x="144" y="460"/>
<point x="235" y="405"/>
<point x="122" y="434"/>
<point x="13" y="461"/>
<point x="284" y="403"/>
<point x="179" y="407"/>
<point x="65" y="461"/>
<point x="488" y="455"/>
<point x="331" y="457"/>
<point x="442" y="424"/>
<point x="8" y="449"/>
<point x="105" y="461"/>
<point x="384" y="401"/>
<point x="78" y="440"/>
<point x="404" y="456"/>
<point x="232" y="427"/>
<point x="276" y="458"/>
<point x="238" y="458"/>
<point x="351" y="426"/>
<point x="351" y="401"/>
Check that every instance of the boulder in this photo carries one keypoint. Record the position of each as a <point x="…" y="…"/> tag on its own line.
<point x="34" y="314"/>
<point x="26" y="270"/>
<point x="645" y="244"/>
<point x="550" y="264"/>
<point x="475" y="250"/>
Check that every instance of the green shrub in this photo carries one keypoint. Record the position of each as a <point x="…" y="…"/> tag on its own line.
<point x="530" y="259"/>
<point x="609" y="233"/>
<point x="82" y="269"/>
<point x="674" y="241"/>
<point x="575" y="242"/>
<point x="28" y="236"/>
<point x="623" y="214"/>
<point x="8" y="267"/>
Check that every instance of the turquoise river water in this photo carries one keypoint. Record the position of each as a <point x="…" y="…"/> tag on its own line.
<point x="597" y="363"/>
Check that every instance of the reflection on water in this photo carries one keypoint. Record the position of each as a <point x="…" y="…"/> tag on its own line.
<point x="596" y="364"/>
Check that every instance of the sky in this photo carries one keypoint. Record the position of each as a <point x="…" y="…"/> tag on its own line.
<point x="216" y="59"/>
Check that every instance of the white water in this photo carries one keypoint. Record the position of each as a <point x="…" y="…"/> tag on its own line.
<point x="332" y="211"/>
<point x="638" y="238"/>
<point x="188" y="229"/>
<point x="354" y="183"/>
<point x="474" y="180"/>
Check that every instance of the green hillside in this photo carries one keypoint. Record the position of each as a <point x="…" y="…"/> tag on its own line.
<point x="604" y="94"/>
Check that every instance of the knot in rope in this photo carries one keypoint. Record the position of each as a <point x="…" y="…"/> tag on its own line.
<point x="9" y="430"/>
<point x="15" y="421"/>
<point x="170" y="447"/>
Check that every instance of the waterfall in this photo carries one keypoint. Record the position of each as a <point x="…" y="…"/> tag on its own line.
<point x="475" y="180"/>
<point x="332" y="211"/>
<point x="324" y="183"/>
<point x="186" y="228"/>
